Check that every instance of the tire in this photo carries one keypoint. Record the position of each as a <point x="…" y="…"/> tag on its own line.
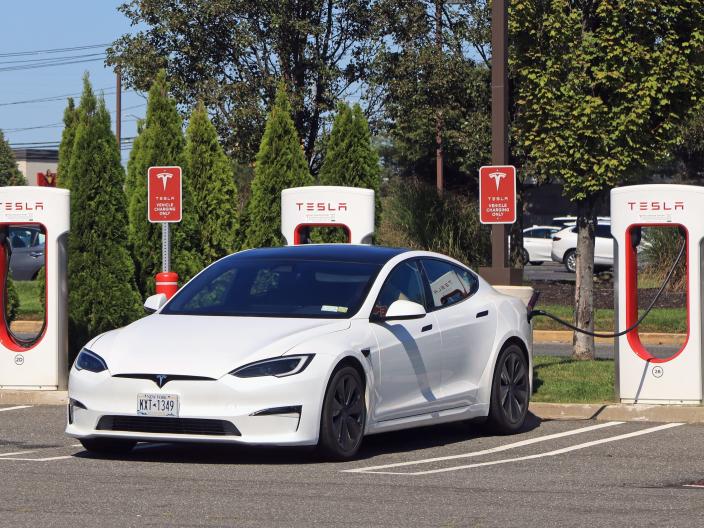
<point x="525" y="257"/>
<point x="570" y="261"/>
<point x="344" y="415"/>
<point x="107" y="446"/>
<point x="510" y="391"/>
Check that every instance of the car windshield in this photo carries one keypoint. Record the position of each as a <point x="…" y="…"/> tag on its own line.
<point x="276" y="288"/>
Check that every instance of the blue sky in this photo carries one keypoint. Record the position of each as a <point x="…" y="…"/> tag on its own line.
<point x="49" y="24"/>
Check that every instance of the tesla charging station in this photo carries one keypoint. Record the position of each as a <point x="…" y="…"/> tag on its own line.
<point x="40" y="362"/>
<point x="348" y="208"/>
<point x="642" y="377"/>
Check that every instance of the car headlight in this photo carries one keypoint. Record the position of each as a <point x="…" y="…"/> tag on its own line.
<point x="90" y="361"/>
<point x="279" y="367"/>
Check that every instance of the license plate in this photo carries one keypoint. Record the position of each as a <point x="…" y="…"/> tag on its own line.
<point x="157" y="404"/>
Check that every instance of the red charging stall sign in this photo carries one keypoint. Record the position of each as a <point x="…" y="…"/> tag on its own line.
<point x="164" y="191"/>
<point x="497" y="194"/>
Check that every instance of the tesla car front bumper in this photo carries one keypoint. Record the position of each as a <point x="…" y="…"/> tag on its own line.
<point x="263" y="410"/>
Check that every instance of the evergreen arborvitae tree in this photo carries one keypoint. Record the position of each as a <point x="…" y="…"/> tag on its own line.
<point x="159" y="143"/>
<point x="102" y="290"/>
<point x="214" y="191"/>
<point x="281" y="164"/>
<point x="9" y="173"/>
<point x="351" y="160"/>
<point x="66" y="146"/>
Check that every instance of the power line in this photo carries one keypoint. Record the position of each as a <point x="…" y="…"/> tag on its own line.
<point x="53" y="144"/>
<point x="108" y="90"/>
<point x="58" y="125"/>
<point x="44" y="59"/>
<point x="58" y="62"/>
<point x="53" y="50"/>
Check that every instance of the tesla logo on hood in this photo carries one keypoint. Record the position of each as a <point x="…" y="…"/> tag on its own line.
<point x="160" y="380"/>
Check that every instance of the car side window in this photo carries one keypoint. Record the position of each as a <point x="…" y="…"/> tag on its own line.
<point x="403" y="283"/>
<point x="603" y="231"/>
<point x="449" y="284"/>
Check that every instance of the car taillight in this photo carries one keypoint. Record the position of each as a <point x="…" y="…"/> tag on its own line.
<point x="556" y="238"/>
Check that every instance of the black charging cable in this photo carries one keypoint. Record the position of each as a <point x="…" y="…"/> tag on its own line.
<point x="541" y="313"/>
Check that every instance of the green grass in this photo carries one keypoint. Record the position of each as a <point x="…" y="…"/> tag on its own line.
<point x="564" y="380"/>
<point x="30" y="307"/>
<point x="667" y="320"/>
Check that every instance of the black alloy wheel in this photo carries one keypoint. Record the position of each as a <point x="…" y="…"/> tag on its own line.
<point x="510" y="392"/>
<point x="344" y="415"/>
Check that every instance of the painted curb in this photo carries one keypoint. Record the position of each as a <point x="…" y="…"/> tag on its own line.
<point x="619" y="412"/>
<point x="565" y="336"/>
<point x="33" y="397"/>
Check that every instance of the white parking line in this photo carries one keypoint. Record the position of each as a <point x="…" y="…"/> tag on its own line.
<point x="47" y="459"/>
<point x="489" y="451"/>
<point x="541" y="455"/>
<point x="15" y="408"/>
<point x="15" y="453"/>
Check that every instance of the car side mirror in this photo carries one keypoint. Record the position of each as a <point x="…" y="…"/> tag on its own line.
<point x="401" y="309"/>
<point x="154" y="302"/>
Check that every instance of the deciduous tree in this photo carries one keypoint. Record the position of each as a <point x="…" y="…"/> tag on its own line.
<point x="601" y="87"/>
<point x="231" y="53"/>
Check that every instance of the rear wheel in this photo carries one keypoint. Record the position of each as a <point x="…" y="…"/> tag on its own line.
<point x="107" y="446"/>
<point x="570" y="261"/>
<point x="510" y="391"/>
<point x="343" y="416"/>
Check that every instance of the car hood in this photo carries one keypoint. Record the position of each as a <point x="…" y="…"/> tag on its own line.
<point x="206" y="346"/>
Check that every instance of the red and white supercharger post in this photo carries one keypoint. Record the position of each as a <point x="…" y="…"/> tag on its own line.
<point x="164" y="191"/>
<point x="39" y="362"/>
<point x="651" y="376"/>
<point x="348" y="208"/>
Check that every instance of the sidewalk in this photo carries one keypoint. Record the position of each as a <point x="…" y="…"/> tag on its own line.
<point x="619" y="412"/>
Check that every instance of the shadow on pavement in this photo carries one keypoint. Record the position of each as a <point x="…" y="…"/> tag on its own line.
<point x="374" y="445"/>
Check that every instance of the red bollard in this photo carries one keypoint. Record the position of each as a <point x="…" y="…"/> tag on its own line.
<point x="167" y="283"/>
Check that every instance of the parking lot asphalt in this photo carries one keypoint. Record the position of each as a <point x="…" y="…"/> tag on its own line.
<point x="555" y="473"/>
<point x="547" y="271"/>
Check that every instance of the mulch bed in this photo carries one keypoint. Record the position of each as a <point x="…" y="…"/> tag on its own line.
<point x="552" y="292"/>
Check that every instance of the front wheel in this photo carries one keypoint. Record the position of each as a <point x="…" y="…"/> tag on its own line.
<point x="510" y="391"/>
<point x="343" y="416"/>
<point x="107" y="446"/>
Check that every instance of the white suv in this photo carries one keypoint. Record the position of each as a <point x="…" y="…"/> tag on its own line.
<point x="564" y="247"/>
<point x="537" y="244"/>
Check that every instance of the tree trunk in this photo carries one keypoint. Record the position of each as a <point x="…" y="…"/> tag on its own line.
<point x="584" y="286"/>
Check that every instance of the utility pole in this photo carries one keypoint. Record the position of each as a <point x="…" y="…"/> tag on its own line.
<point x="118" y="106"/>
<point x="500" y="273"/>
<point x="439" y="154"/>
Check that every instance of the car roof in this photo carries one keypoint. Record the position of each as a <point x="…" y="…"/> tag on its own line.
<point x="542" y="227"/>
<point x="330" y="252"/>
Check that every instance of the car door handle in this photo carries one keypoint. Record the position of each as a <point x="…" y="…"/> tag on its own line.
<point x="483" y="314"/>
<point x="426" y="328"/>
<point x="36" y="254"/>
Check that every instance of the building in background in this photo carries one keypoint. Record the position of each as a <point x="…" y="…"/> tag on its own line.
<point x="38" y="166"/>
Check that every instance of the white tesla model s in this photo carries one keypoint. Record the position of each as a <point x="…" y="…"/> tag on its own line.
<point x="305" y="345"/>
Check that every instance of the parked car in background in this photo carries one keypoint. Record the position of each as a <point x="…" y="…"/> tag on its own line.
<point x="564" y="247"/>
<point x="566" y="221"/>
<point x="27" y="252"/>
<point x="537" y="244"/>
